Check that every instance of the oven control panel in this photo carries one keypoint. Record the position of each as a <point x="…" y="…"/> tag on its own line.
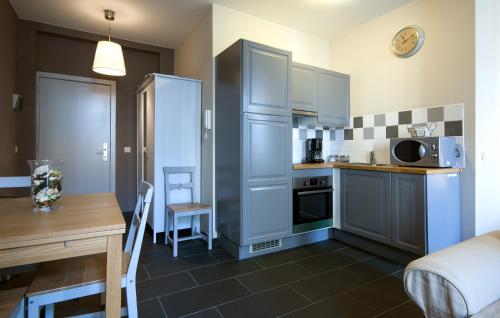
<point x="312" y="182"/>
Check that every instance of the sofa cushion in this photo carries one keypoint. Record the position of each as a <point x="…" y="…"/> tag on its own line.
<point x="458" y="281"/>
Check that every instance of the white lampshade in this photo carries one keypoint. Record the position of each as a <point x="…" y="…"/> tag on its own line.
<point x="108" y="59"/>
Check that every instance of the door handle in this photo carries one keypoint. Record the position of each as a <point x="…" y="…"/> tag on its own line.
<point x="105" y="151"/>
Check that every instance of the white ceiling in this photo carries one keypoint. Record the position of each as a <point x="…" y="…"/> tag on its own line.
<point x="166" y="22"/>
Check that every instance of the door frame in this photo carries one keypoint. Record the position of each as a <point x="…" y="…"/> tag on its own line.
<point x="89" y="80"/>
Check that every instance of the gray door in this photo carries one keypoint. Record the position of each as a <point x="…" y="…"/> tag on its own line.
<point x="333" y="98"/>
<point x="408" y="212"/>
<point x="366" y="204"/>
<point x="267" y="198"/>
<point x="266" y="79"/>
<point x="304" y="87"/>
<point x="75" y="123"/>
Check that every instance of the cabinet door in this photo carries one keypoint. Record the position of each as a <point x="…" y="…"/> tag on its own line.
<point x="266" y="80"/>
<point x="267" y="178"/>
<point x="333" y="98"/>
<point x="304" y="87"/>
<point x="408" y="212"/>
<point x="366" y="204"/>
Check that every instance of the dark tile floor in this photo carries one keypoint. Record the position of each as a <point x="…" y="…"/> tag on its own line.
<point x="327" y="279"/>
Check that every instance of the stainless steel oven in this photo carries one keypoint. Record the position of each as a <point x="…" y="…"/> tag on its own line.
<point x="312" y="203"/>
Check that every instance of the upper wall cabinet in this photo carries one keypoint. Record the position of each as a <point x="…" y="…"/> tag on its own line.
<point x="333" y="98"/>
<point x="304" y="87"/>
<point x="266" y="79"/>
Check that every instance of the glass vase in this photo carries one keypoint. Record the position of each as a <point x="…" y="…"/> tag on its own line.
<point x="46" y="184"/>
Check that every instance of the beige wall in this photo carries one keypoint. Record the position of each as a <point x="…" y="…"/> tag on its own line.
<point x="487" y="116"/>
<point x="441" y="73"/>
<point x="7" y="88"/>
<point x="193" y="58"/>
<point x="230" y="25"/>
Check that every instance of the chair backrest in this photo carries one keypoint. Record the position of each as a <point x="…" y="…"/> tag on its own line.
<point x="137" y="226"/>
<point x="15" y="182"/>
<point x="169" y="187"/>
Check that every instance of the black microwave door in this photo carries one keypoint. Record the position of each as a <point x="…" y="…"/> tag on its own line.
<point x="409" y="151"/>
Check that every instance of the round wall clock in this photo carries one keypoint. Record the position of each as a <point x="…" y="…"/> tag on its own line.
<point x="408" y="41"/>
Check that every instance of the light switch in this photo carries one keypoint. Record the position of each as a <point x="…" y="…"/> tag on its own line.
<point x="126" y="149"/>
<point x="16" y="149"/>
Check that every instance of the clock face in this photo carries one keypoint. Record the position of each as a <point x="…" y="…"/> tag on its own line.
<point x="408" y="41"/>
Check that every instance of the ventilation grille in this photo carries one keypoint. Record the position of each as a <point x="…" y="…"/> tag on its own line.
<point x="264" y="246"/>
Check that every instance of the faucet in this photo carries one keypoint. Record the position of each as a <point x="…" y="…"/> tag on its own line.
<point x="373" y="162"/>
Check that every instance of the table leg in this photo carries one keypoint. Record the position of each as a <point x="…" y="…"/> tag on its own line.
<point x="113" y="275"/>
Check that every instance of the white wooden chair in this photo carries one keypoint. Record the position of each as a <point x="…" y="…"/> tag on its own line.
<point x="15" y="182"/>
<point x="187" y="209"/>
<point x="12" y="300"/>
<point x="78" y="277"/>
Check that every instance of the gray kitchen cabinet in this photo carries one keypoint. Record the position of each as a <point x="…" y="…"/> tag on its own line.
<point x="419" y="213"/>
<point x="253" y="154"/>
<point x="366" y="204"/>
<point x="266" y="79"/>
<point x="304" y="87"/>
<point x="267" y="144"/>
<point x="333" y="98"/>
<point x="408" y="212"/>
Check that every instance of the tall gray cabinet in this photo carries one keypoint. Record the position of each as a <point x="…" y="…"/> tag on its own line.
<point x="253" y="140"/>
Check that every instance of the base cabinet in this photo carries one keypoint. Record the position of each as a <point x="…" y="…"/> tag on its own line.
<point x="366" y="204"/>
<point x="408" y="212"/>
<point x="416" y="213"/>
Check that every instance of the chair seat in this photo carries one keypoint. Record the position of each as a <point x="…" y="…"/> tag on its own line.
<point x="72" y="272"/>
<point x="10" y="299"/>
<point x="185" y="207"/>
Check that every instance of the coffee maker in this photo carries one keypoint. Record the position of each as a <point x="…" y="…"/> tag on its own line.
<point x="314" y="153"/>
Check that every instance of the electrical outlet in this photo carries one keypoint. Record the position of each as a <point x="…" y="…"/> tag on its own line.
<point x="126" y="149"/>
<point x="16" y="149"/>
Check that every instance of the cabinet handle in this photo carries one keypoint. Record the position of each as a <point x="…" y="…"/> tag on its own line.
<point x="315" y="192"/>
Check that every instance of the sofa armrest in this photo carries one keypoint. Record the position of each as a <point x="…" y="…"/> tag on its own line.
<point x="457" y="281"/>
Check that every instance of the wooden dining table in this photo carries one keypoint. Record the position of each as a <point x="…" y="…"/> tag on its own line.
<point x="82" y="225"/>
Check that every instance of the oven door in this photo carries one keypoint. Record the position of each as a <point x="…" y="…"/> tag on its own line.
<point x="312" y="208"/>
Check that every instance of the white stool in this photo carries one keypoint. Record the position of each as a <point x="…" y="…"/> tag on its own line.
<point x="188" y="209"/>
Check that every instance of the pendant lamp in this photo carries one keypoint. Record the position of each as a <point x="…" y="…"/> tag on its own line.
<point x="108" y="59"/>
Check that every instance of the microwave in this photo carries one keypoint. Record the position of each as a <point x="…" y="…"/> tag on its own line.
<point x="424" y="152"/>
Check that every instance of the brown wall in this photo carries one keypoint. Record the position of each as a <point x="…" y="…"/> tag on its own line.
<point x="57" y="50"/>
<point x="7" y="88"/>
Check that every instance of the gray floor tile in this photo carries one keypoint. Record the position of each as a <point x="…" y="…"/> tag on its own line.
<point x="221" y="255"/>
<point x="163" y="285"/>
<point x="283" y="257"/>
<point x="273" y="303"/>
<point x="381" y="295"/>
<point x="324" y="262"/>
<point x="154" y="256"/>
<point x="356" y="253"/>
<point x="324" y="246"/>
<point x="327" y="285"/>
<point x="224" y="270"/>
<point x="204" y="297"/>
<point x="273" y="277"/>
<point x="151" y="309"/>
<point x="373" y="268"/>
<point x="208" y="313"/>
<point x="141" y="273"/>
<point x="408" y="310"/>
<point x="342" y="306"/>
<point x="179" y="264"/>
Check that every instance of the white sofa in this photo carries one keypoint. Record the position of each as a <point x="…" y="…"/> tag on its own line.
<point x="459" y="281"/>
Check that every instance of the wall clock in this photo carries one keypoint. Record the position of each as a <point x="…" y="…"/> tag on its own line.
<point x="408" y="41"/>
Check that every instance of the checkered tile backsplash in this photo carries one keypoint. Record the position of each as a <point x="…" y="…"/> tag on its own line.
<point x="373" y="132"/>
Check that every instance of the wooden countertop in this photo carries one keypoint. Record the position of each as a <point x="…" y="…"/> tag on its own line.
<point x="383" y="168"/>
